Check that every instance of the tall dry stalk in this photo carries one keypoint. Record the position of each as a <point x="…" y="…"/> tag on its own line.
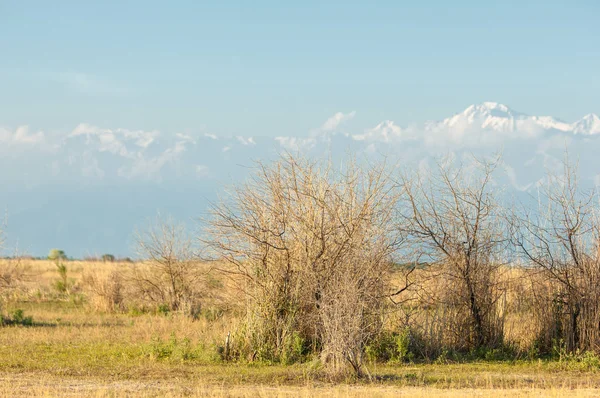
<point x="106" y="292"/>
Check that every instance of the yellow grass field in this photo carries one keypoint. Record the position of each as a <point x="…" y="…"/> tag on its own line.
<point x="72" y="350"/>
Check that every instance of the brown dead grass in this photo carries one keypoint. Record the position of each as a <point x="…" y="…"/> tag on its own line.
<point x="73" y="351"/>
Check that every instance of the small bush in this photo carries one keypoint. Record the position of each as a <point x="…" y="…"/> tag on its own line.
<point x="106" y="293"/>
<point x="163" y="309"/>
<point x="171" y="349"/>
<point x="391" y="347"/>
<point x="57" y="255"/>
<point x="62" y="285"/>
<point x="175" y="349"/>
<point x="295" y="349"/>
<point x="17" y="318"/>
<point x="575" y="360"/>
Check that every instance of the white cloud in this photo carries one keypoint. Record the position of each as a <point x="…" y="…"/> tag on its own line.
<point x="140" y="153"/>
<point x="149" y="167"/>
<point x="115" y="141"/>
<point x="21" y="136"/>
<point x="185" y="138"/>
<point x="295" y="143"/>
<point x="315" y="136"/>
<point x="334" y="121"/>
<point x="385" y="132"/>
<point x="246" y="141"/>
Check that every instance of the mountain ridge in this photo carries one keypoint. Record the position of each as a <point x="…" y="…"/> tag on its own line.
<point x="88" y="189"/>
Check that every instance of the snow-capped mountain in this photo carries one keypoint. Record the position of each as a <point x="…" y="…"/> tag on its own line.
<point x="501" y="118"/>
<point x="85" y="190"/>
<point x="485" y="124"/>
<point x="488" y="115"/>
<point x="589" y="124"/>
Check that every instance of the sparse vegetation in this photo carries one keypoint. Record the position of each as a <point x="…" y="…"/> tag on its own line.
<point x="108" y="258"/>
<point x="57" y="255"/>
<point x="171" y="277"/>
<point x="455" y="224"/>
<point x="311" y="274"/>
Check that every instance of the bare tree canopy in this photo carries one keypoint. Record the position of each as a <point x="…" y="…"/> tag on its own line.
<point x="454" y="224"/>
<point x="314" y="245"/>
<point x="561" y="239"/>
<point x="171" y="275"/>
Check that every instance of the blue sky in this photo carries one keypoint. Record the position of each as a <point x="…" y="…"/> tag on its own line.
<point x="277" y="68"/>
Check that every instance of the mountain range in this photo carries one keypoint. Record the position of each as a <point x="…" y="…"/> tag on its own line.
<point x="86" y="190"/>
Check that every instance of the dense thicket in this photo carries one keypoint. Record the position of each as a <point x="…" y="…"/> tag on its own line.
<point x="315" y="246"/>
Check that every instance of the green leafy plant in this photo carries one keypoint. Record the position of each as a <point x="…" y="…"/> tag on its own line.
<point x="391" y="347"/>
<point x="62" y="285"/>
<point x="108" y="258"/>
<point x="17" y="318"/>
<point x="57" y="255"/>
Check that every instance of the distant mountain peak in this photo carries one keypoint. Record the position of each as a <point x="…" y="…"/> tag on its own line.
<point x="589" y="124"/>
<point x="493" y="106"/>
<point x="591" y="118"/>
<point x="489" y="108"/>
<point x="494" y="116"/>
<point x="385" y="131"/>
<point x="487" y="115"/>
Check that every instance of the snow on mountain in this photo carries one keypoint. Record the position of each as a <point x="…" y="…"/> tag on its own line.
<point x="480" y="125"/>
<point x="112" y="179"/>
<point x="589" y="124"/>
<point x="385" y="131"/>
<point x="498" y="117"/>
<point x="488" y="115"/>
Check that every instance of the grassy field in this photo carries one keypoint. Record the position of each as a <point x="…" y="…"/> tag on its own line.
<point x="69" y="349"/>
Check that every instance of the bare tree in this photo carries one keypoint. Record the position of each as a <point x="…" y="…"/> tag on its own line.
<point x="169" y="274"/>
<point x="562" y="241"/>
<point x="454" y="223"/>
<point x="313" y="248"/>
<point x="12" y="270"/>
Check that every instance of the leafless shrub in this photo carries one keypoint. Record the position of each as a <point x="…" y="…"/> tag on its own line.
<point x="169" y="274"/>
<point x="562" y="242"/>
<point x="455" y="227"/>
<point x="13" y="270"/>
<point x="313" y="246"/>
<point x="106" y="293"/>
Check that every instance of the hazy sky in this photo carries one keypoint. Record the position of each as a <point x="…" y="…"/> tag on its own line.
<point x="280" y="68"/>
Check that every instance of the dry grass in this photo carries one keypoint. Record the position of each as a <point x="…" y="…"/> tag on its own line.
<point x="35" y="385"/>
<point x="73" y="351"/>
